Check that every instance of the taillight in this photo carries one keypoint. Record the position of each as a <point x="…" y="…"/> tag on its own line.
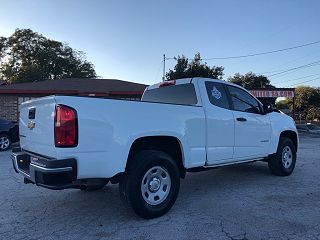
<point x="167" y="83"/>
<point x="65" y="127"/>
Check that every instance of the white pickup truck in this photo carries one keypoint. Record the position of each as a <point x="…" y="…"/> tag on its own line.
<point x="146" y="146"/>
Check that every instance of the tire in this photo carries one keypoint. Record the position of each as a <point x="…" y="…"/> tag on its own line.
<point x="283" y="162"/>
<point x="151" y="183"/>
<point x="5" y="142"/>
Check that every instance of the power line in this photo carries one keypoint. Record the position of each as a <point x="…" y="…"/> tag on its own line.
<point x="290" y="80"/>
<point x="296" y="68"/>
<point x="275" y="71"/>
<point x="303" y="82"/>
<point x="293" y="71"/>
<point x="257" y="54"/>
<point x="286" y="63"/>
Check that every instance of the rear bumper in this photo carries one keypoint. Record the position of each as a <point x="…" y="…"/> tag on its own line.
<point x="48" y="173"/>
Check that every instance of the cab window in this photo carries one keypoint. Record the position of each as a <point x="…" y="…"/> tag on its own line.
<point x="243" y="101"/>
<point x="217" y="94"/>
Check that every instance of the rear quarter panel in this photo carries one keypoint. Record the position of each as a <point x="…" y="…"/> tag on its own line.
<point x="107" y="129"/>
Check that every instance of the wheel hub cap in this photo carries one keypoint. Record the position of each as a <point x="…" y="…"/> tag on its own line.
<point x="287" y="157"/>
<point x="4" y="142"/>
<point x="156" y="185"/>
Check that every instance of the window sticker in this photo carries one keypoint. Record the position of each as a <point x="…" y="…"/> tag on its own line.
<point x="215" y="93"/>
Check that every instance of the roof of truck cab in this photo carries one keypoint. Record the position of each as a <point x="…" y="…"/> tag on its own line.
<point x="188" y="80"/>
<point x="193" y="80"/>
<point x="175" y="81"/>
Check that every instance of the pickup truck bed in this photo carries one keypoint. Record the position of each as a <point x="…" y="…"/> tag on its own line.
<point x="103" y="147"/>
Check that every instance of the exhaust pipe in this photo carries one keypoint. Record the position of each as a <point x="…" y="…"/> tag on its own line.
<point x="27" y="181"/>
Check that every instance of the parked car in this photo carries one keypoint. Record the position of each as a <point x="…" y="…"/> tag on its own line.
<point x="146" y="146"/>
<point x="9" y="133"/>
<point x="308" y="128"/>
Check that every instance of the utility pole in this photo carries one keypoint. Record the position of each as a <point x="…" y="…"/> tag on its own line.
<point x="164" y="67"/>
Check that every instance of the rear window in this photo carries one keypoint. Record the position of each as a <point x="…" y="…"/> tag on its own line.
<point x="178" y="94"/>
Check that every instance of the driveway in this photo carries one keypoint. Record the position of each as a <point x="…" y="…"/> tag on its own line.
<point x="238" y="202"/>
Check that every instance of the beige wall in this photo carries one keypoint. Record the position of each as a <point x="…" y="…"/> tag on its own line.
<point x="9" y="107"/>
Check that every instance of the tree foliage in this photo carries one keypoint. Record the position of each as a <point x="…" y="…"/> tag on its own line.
<point x="194" y="68"/>
<point x="312" y="114"/>
<point x="251" y="81"/>
<point x="306" y="97"/>
<point x="307" y="100"/>
<point x="28" y="56"/>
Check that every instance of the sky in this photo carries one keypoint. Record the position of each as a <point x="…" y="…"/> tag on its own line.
<point x="127" y="39"/>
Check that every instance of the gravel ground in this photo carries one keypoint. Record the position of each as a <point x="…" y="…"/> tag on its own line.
<point x="237" y="202"/>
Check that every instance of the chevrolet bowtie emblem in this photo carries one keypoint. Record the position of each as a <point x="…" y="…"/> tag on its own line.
<point x="31" y="125"/>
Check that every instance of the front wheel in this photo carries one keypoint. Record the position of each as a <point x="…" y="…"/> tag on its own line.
<point x="151" y="183"/>
<point x="282" y="163"/>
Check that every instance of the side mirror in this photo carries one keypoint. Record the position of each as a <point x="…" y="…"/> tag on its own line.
<point x="268" y="108"/>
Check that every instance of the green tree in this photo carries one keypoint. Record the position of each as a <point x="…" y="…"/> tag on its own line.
<point x="28" y="56"/>
<point x="194" y="68"/>
<point x="307" y="97"/>
<point x="313" y="113"/>
<point x="2" y="46"/>
<point x="252" y="81"/>
<point x="307" y="100"/>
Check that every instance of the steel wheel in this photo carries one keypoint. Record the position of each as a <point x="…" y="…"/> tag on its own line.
<point x="155" y="185"/>
<point x="151" y="183"/>
<point x="283" y="162"/>
<point x="4" y="143"/>
<point x="286" y="157"/>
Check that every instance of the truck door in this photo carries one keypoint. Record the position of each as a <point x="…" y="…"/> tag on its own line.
<point x="219" y="122"/>
<point x="252" y="127"/>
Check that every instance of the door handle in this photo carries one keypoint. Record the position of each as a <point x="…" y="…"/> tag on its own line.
<point x="241" y="119"/>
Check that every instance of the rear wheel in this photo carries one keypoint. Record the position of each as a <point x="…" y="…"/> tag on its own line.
<point x="282" y="163"/>
<point x="5" y="142"/>
<point x="151" y="183"/>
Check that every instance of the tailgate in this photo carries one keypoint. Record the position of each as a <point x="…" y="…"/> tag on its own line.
<point x="36" y="126"/>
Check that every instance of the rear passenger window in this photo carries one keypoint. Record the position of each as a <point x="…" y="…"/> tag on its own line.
<point x="217" y="94"/>
<point x="178" y="94"/>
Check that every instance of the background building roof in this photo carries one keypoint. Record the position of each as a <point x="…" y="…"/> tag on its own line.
<point x="75" y="86"/>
